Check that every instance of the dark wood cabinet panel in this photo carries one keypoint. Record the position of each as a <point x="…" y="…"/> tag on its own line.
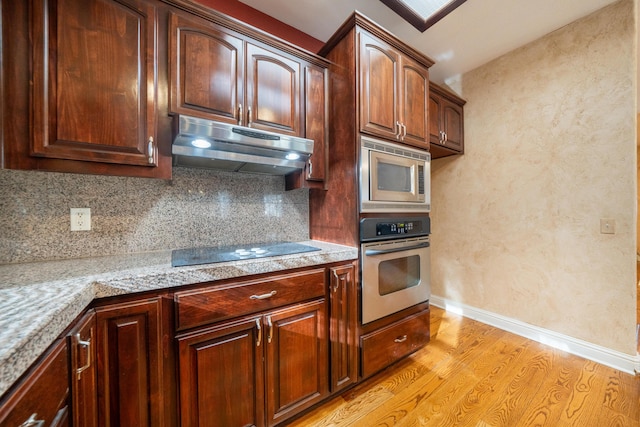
<point x="389" y="344"/>
<point x="296" y="359"/>
<point x="43" y="395"/>
<point x="379" y="83"/>
<point x="446" y="122"/>
<point x="222" y="375"/>
<point x="206" y="70"/>
<point x="393" y="93"/>
<point x="222" y="302"/>
<point x="94" y="95"/>
<point x="130" y="354"/>
<point x="415" y="87"/>
<point x="80" y="87"/>
<point x="274" y="101"/>
<point x="343" y="326"/>
<point x="83" y="375"/>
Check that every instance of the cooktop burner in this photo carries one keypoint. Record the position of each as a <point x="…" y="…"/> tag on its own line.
<point x="210" y="255"/>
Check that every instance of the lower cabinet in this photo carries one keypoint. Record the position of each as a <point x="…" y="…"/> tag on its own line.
<point x="42" y="397"/>
<point x="343" y="326"/>
<point x="133" y="380"/>
<point x="255" y="371"/>
<point x="83" y="377"/>
<point x="389" y="344"/>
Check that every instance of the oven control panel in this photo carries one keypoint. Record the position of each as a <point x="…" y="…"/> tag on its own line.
<point x="390" y="228"/>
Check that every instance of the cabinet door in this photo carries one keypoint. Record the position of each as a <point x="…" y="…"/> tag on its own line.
<point x="94" y="96"/>
<point x="222" y="375"/>
<point x="131" y="391"/>
<point x="379" y="83"/>
<point x="435" y="116"/>
<point x="207" y="77"/>
<point x="415" y="95"/>
<point x="82" y="349"/>
<point x="42" y="397"/>
<point x="453" y="125"/>
<point x="273" y="92"/>
<point x="297" y="359"/>
<point x="316" y="118"/>
<point x="343" y="326"/>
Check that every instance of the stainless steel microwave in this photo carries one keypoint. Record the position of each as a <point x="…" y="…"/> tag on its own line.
<point x="393" y="177"/>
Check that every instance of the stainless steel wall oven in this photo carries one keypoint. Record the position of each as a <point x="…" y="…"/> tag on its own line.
<point x="396" y="264"/>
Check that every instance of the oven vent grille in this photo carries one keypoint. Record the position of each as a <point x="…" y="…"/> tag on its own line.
<point x="387" y="149"/>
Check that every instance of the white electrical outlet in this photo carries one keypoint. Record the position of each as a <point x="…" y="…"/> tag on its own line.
<point x="80" y="219"/>
<point x="607" y="226"/>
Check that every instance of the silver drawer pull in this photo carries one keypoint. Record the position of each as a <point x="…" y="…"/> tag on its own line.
<point x="32" y="422"/>
<point x="263" y="296"/>
<point x="86" y="344"/>
<point x="401" y="339"/>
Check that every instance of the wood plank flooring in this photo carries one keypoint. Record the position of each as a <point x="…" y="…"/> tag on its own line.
<point x="472" y="374"/>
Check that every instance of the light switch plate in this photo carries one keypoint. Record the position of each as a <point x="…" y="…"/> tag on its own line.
<point x="80" y="219"/>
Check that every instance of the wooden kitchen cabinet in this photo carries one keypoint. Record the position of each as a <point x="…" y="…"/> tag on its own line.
<point x="133" y="359"/>
<point x="386" y="345"/>
<point x="43" y="396"/>
<point x="221" y="373"/>
<point x="446" y="122"/>
<point x="343" y="326"/>
<point x="297" y="360"/>
<point x="393" y="92"/>
<point x="83" y="375"/>
<point x="90" y="104"/>
<point x="274" y="357"/>
<point x="221" y="75"/>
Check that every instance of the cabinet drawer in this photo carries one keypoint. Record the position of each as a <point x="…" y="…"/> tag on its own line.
<point x="202" y="306"/>
<point x="385" y="346"/>
<point x="43" y="395"/>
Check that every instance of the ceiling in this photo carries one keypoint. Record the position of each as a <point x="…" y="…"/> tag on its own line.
<point x="472" y="35"/>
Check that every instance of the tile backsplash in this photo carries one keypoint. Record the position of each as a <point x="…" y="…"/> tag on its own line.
<point x="196" y="208"/>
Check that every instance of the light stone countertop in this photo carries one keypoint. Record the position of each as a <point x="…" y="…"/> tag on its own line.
<point x="38" y="301"/>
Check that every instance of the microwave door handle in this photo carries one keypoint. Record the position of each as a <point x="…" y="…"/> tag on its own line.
<point x="370" y="252"/>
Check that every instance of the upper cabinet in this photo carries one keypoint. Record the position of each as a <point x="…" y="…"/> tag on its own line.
<point x="89" y="86"/>
<point x="219" y="75"/>
<point x="235" y="75"/>
<point x="92" y="92"/>
<point x="393" y="92"/>
<point x="446" y="122"/>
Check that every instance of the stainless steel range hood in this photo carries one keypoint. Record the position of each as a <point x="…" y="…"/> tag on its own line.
<point x="215" y="145"/>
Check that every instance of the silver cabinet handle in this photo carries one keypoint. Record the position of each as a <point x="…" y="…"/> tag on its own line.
<point x="32" y="422"/>
<point x="248" y="117"/>
<point x="446" y="137"/>
<point x="87" y="345"/>
<point x="263" y="296"/>
<point x="400" y="339"/>
<point x="259" y="340"/>
<point x="398" y="130"/>
<point x="310" y="169"/>
<point x="240" y="115"/>
<point x="337" y="279"/>
<point x="150" y="150"/>
<point x="270" y="334"/>
<point x="404" y="130"/>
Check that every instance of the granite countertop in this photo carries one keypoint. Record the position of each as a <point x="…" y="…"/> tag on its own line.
<point x="38" y="301"/>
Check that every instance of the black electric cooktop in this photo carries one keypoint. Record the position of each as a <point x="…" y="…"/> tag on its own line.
<point x="210" y="255"/>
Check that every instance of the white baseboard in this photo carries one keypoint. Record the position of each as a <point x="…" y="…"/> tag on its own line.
<point x="615" y="359"/>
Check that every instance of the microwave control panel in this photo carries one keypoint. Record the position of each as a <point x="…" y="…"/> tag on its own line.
<point x="389" y="228"/>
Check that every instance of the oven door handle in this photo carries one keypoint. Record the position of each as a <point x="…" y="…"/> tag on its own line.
<point x="371" y="252"/>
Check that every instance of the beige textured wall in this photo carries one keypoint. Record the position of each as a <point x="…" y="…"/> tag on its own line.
<point x="550" y="150"/>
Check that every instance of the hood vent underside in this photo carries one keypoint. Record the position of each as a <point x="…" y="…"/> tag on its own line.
<point x="214" y="145"/>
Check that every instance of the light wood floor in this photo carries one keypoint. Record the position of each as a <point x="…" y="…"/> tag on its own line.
<point x="471" y="374"/>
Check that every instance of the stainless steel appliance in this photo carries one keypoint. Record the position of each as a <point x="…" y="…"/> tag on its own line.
<point x="215" y="145"/>
<point x="396" y="265"/>
<point x="393" y="177"/>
